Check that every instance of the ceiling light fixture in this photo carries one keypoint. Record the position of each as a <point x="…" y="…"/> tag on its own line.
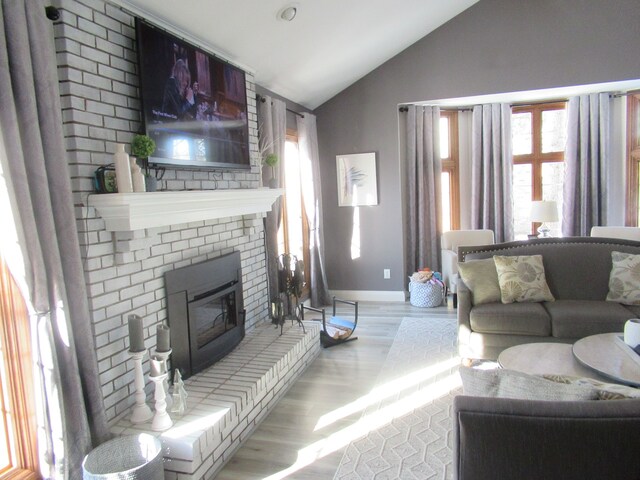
<point x="288" y="13"/>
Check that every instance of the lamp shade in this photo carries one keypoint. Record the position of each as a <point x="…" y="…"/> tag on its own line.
<point x="544" y="211"/>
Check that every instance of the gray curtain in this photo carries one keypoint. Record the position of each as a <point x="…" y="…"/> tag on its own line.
<point x="272" y="125"/>
<point x="35" y="169"/>
<point x="492" y="170"/>
<point x="586" y="163"/>
<point x="423" y="189"/>
<point x="312" y="199"/>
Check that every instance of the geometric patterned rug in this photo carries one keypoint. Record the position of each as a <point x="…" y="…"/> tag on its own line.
<point x="409" y="434"/>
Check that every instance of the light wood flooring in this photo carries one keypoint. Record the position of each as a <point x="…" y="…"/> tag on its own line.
<point x="339" y="376"/>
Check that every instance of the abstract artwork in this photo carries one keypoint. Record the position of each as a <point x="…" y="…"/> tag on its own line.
<point x="357" y="180"/>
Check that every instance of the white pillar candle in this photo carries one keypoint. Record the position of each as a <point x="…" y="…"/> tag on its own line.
<point x="632" y="332"/>
<point x="136" y="334"/>
<point x="156" y="367"/>
<point x="162" y="338"/>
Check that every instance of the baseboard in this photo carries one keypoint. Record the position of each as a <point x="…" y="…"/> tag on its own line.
<point x="370" y="295"/>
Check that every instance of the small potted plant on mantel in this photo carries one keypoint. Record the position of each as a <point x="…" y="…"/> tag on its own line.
<point x="271" y="160"/>
<point x="142" y="147"/>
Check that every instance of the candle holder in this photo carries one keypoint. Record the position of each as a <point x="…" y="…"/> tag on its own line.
<point x="164" y="356"/>
<point x="141" y="411"/>
<point x="161" y="419"/>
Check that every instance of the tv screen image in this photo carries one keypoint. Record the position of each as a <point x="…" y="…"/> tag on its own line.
<point x="194" y="104"/>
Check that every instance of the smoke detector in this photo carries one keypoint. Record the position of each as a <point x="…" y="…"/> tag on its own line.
<point x="288" y="13"/>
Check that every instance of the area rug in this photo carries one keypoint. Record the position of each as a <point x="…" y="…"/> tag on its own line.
<point x="417" y="382"/>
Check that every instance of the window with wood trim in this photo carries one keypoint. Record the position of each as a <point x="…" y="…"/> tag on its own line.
<point x="539" y="134"/>
<point x="633" y="159"/>
<point x="450" y="170"/>
<point x="18" y="447"/>
<point x="293" y="234"/>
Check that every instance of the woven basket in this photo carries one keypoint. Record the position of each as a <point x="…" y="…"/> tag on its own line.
<point x="428" y="294"/>
<point x="130" y="457"/>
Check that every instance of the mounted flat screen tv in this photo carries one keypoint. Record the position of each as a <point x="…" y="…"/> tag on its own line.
<point x="194" y="104"/>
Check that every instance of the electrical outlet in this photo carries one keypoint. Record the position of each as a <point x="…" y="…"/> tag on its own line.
<point x="387" y="273"/>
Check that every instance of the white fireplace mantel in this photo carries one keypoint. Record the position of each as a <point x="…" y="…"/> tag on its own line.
<point x="135" y="211"/>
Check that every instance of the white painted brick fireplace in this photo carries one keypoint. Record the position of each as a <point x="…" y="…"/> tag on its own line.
<point x="124" y="266"/>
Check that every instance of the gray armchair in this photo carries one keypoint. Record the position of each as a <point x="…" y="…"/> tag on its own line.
<point x="500" y="438"/>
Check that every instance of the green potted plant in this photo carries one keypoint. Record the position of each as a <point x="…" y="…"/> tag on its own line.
<point x="271" y="160"/>
<point x="143" y="147"/>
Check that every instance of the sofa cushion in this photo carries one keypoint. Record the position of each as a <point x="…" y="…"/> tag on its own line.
<point x="624" y="279"/>
<point x="581" y="318"/>
<point x="634" y="309"/>
<point x="511" y="384"/>
<point x="522" y="279"/>
<point x="482" y="279"/>
<point x="511" y="318"/>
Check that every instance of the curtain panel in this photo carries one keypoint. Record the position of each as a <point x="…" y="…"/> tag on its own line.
<point x="272" y="127"/>
<point x="586" y="162"/>
<point x="312" y="200"/>
<point x="423" y="171"/>
<point x="38" y="188"/>
<point x="492" y="170"/>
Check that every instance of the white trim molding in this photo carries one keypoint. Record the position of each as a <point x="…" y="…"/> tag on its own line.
<point x="136" y="211"/>
<point x="370" y="295"/>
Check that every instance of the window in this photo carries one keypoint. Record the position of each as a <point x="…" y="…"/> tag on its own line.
<point x="293" y="234"/>
<point x="633" y="159"/>
<point x="18" y="448"/>
<point x="538" y="140"/>
<point x="449" y="179"/>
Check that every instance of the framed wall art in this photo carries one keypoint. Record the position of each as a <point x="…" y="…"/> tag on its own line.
<point x="357" y="180"/>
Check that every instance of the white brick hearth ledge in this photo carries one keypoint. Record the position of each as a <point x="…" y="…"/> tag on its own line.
<point x="136" y="211"/>
<point x="227" y="401"/>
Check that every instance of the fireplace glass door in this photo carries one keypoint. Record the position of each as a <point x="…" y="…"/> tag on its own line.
<point x="212" y="316"/>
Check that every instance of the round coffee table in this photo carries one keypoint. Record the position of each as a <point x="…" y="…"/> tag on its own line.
<point x="608" y="355"/>
<point x="545" y="358"/>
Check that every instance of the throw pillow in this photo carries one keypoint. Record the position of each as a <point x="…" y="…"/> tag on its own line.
<point x="624" y="280"/>
<point x="522" y="279"/>
<point x="606" y="391"/>
<point x="511" y="384"/>
<point x="482" y="279"/>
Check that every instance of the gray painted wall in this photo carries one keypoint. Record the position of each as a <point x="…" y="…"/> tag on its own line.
<point x="495" y="46"/>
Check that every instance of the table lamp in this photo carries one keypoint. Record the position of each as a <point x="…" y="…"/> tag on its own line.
<point x="543" y="212"/>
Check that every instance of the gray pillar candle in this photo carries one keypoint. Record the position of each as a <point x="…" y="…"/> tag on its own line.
<point x="162" y="338"/>
<point x="136" y="333"/>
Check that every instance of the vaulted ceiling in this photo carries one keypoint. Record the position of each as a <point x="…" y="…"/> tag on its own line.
<point x="329" y="45"/>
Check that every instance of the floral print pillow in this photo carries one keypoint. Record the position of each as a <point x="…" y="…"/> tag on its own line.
<point x="624" y="280"/>
<point x="522" y="279"/>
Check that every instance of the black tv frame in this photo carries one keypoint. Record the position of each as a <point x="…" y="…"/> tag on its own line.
<point x="216" y="138"/>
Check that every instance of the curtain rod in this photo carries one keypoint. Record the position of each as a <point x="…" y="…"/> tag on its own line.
<point x="262" y="99"/>
<point x="405" y="108"/>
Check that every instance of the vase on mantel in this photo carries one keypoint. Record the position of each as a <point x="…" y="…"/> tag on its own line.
<point x="137" y="177"/>
<point x="123" y="169"/>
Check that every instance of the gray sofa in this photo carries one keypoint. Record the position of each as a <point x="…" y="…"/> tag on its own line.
<point x="577" y="271"/>
<point x="501" y="438"/>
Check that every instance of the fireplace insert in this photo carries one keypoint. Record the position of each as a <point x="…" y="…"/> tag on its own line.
<point x="206" y="312"/>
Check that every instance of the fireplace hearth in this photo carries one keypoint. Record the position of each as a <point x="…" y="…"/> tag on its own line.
<point x="206" y="313"/>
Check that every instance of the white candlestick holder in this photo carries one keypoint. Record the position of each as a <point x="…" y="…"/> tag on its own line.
<point x="164" y="356"/>
<point x="161" y="420"/>
<point x="141" y="411"/>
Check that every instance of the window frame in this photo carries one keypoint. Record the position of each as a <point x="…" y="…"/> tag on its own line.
<point x="537" y="158"/>
<point x="18" y="388"/>
<point x="451" y="165"/>
<point x="633" y="159"/>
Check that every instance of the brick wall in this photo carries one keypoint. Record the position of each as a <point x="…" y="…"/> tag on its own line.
<point x="97" y="67"/>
